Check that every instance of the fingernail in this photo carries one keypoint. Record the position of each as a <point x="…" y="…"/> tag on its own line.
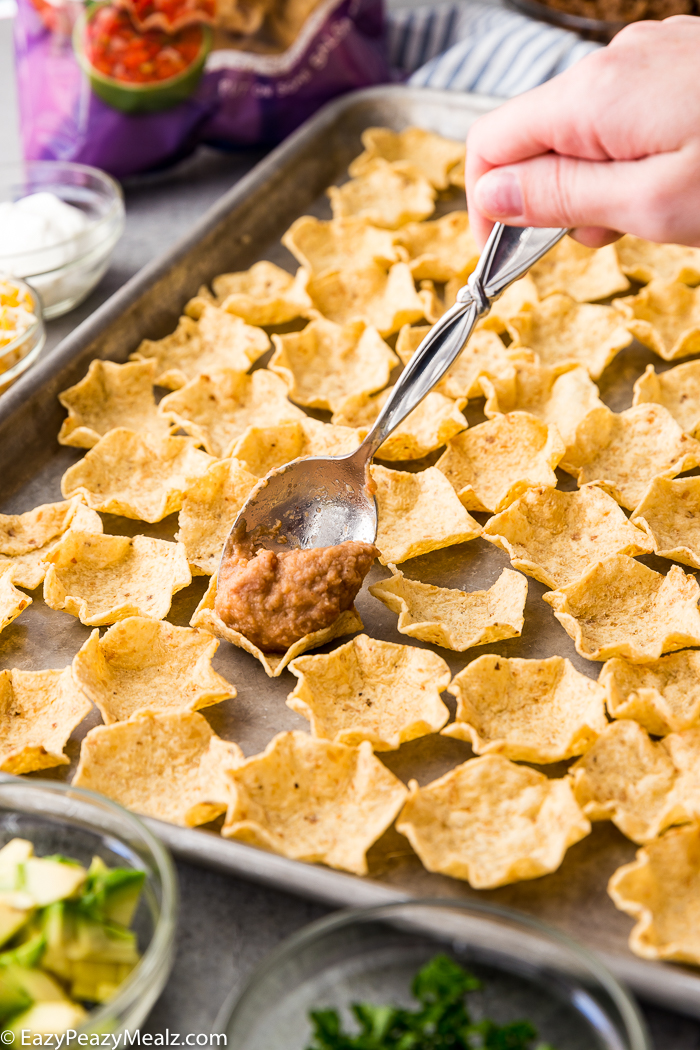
<point x="498" y="194"/>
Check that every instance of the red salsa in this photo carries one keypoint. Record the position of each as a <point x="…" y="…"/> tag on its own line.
<point x="115" y="48"/>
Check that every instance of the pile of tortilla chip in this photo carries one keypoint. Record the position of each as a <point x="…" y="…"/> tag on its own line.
<point x="517" y="447"/>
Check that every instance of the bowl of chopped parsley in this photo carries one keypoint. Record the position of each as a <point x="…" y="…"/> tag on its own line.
<point x="432" y="975"/>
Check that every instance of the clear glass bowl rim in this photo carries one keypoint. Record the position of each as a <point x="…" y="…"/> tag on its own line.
<point x="36" y="328"/>
<point x="159" y="950"/>
<point x="636" y="1029"/>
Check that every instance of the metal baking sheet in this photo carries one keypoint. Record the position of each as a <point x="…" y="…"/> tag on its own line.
<point x="243" y="226"/>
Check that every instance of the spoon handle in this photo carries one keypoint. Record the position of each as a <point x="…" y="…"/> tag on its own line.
<point x="509" y="253"/>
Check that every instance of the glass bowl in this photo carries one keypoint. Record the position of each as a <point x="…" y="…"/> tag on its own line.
<point x="77" y="823"/>
<point x="529" y="971"/>
<point x="20" y="354"/>
<point x="66" y="273"/>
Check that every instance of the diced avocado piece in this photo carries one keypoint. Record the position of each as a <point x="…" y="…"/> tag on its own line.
<point x="47" y="1018"/>
<point x="12" y="918"/>
<point x="102" y="942"/>
<point x="97" y="982"/>
<point x="12" y="855"/>
<point x="37" y="984"/>
<point x="113" y="893"/>
<point x="27" y="954"/>
<point x="49" y="880"/>
<point x="13" y="999"/>
<point x="58" y="923"/>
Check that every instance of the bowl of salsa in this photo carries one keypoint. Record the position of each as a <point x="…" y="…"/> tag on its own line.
<point x="135" y="71"/>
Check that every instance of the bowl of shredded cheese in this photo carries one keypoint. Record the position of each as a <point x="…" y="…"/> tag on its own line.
<point x="22" y="334"/>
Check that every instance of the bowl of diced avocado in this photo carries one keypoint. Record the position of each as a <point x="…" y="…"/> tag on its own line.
<point x="88" y="902"/>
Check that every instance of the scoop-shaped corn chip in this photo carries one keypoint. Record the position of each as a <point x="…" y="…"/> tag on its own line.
<point x="102" y="579"/>
<point x="641" y="785"/>
<point x="561" y="395"/>
<point x="127" y="474"/>
<point x="558" y="536"/>
<point x="492" y="822"/>
<point x="521" y="295"/>
<point x="561" y="330"/>
<point x="313" y="800"/>
<point x="12" y="601"/>
<point x="492" y="464"/>
<point x="624" y="452"/>
<point x="261" y="449"/>
<point x="670" y="514"/>
<point x="622" y="608"/>
<point x="141" y="664"/>
<point x="531" y="710"/>
<point x="212" y="340"/>
<point x="164" y="764"/>
<point x="665" y="316"/>
<point x="678" y="390"/>
<point x="264" y="294"/>
<point x="431" y="425"/>
<point x="663" y="696"/>
<point x="386" y="301"/>
<point x="431" y="154"/>
<point x="206" y="617"/>
<point x="418" y="513"/>
<point x="209" y="509"/>
<point x="38" y="712"/>
<point x="661" y="889"/>
<point x="440" y="250"/>
<point x="371" y="690"/>
<point x="341" y="244"/>
<point x="583" y="273"/>
<point x="26" y="538"/>
<point x="216" y="409"/>
<point x="110" y="396"/>
<point x="646" y="261"/>
<point x="327" y="363"/>
<point x="457" y="175"/>
<point x="451" y="618"/>
<point x="384" y="194"/>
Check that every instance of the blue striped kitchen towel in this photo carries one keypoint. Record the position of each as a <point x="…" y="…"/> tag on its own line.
<point x="473" y="46"/>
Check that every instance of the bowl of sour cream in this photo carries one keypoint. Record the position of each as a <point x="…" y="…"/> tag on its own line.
<point x="59" y="224"/>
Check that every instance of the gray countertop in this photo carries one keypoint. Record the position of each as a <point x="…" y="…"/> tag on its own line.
<point x="227" y="925"/>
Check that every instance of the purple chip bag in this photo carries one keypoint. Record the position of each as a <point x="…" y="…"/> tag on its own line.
<point x="243" y="98"/>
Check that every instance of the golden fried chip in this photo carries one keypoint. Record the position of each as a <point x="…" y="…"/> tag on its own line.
<point x="646" y="261"/>
<point x="434" y="156"/>
<point x="127" y="474"/>
<point x="217" y="409"/>
<point x="520" y="296"/>
<point x="677" y="389"/>
<point x="663" y="695"/>
<point x="665" y="316"/>
<point x="661" y="889"/>
<point x="492" y="464"/>
<point x="212" y="340"/>
<point x="440" y="250"/>
<point x="164" y="764"/>
<point x="530" y="710"/>
<point x="264" y="294"/>
<point x="431" y="425"/>
<point x="205" y="616"/>
<point x="561" y="395"/>
<point x="110" y="396"/>
<point x="371" y="690"/>
<point x="341" y="244"/>
<point x="385" y="301"/>
<point x="583" y="273"/>
<point x="670" y="515"/>
<point x="455" y="619"/>
<point x="38" y="712"/>
<point x="141" y="664"/>
<point x="326" y="363"/>
<point x="492" y="822"/>
<point x="313" y="800"/>
<point x="12" y="601"/>
<point x="624" y="452"/>
<point x="457" y="175"/>
<point x="102" y="579"/>
<point x="622" y="608"/>
<point x="560" y="330"/>
<point x="418" y="513"/>
<point x="385" y="194"/>
<point x="260" y="449"/>
<point x="642" y="786"/>
<point x="558" y="536"/>
<point x="209" y="509"/>
<point x="26" y="538"/>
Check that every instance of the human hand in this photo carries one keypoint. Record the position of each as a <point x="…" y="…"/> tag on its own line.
<point x="613" y="144"/>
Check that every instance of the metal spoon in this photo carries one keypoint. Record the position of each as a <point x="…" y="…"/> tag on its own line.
<point x="324" y="500"/>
